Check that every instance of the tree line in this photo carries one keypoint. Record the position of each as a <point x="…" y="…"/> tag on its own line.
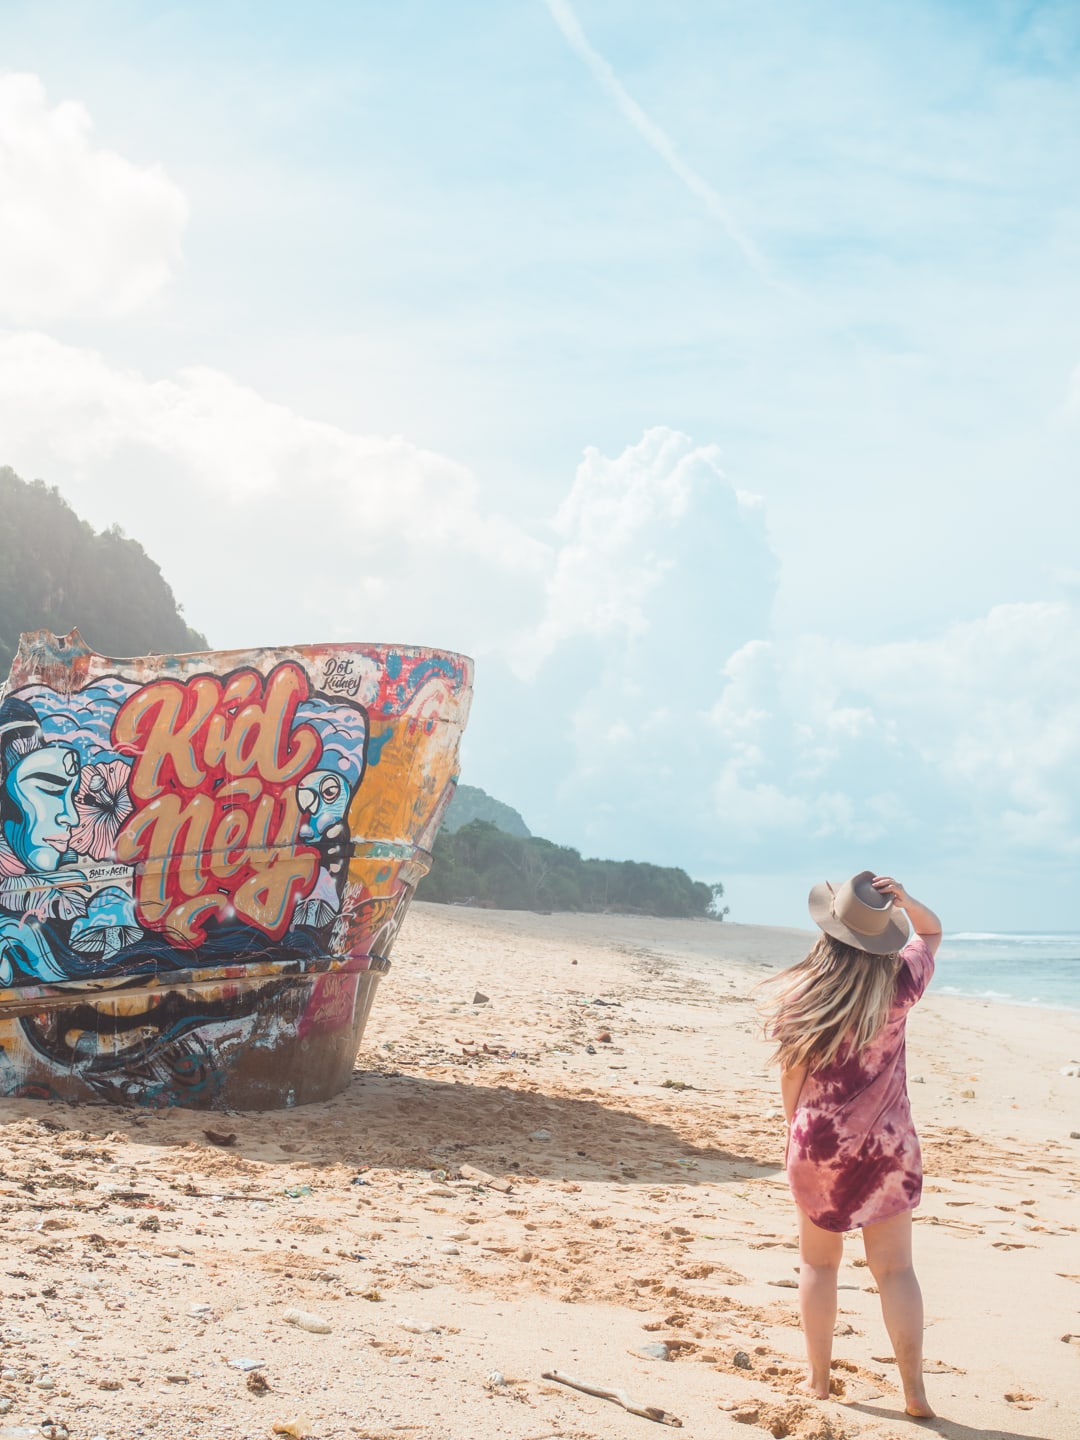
<point x="480" y="864"/>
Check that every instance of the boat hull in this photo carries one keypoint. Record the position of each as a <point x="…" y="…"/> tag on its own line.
<point x="204" y="861"/>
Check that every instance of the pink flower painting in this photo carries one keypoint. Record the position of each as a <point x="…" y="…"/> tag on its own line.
<point x="103" y="804"/>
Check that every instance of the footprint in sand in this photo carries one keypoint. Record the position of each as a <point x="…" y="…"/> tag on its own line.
<point x="794" y="1418"/>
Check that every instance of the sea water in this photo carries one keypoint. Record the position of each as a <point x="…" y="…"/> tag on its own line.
<point x="1030" y="968"/>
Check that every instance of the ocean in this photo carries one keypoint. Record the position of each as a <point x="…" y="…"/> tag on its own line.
<point x="1027" y="968"/>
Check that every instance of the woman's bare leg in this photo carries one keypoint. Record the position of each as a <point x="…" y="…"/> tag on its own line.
<point x="888" y="1254"/>
<point x="820" y="1252"/>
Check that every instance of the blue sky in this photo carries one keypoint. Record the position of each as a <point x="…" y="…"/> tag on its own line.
<point x="708" y="371"/>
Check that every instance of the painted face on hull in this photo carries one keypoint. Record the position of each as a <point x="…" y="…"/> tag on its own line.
<point x="40" y="791"/>
<point x="323" y="798"/>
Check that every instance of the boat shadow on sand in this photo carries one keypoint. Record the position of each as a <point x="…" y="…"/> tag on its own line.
<point x="412" y="1122"/>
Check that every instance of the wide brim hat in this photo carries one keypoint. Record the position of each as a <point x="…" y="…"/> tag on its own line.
<point x="859" y="915"/>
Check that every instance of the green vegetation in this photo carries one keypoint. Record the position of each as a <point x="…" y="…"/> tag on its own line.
<point x="56" y="572"/>
<point x="482" y="864"/>
<point x="471" y="803"/>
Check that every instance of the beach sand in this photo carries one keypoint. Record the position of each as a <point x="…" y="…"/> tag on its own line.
<point x="614" y="1090"/>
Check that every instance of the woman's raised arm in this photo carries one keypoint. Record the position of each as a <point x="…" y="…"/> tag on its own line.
<point x="923" y="920"/>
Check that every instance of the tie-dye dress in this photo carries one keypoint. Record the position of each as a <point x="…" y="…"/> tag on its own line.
<point x="853" y="1155"/>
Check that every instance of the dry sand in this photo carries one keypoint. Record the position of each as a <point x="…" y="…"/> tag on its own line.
<point x="141" y="1261"/>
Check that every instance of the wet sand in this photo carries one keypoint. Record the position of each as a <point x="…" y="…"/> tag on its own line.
<point x="585" y="1164"/>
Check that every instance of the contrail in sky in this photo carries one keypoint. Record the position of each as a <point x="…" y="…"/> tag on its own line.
<point x="562" y="12"/>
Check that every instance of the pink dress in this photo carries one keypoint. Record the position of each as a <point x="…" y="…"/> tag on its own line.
<point x="853" y="1155"/>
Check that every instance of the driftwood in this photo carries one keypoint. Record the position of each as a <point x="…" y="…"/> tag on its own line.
<point x="481" y="1177"/>
<point x="620" y="1397"/>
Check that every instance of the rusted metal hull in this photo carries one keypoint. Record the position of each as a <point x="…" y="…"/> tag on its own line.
<point x="203" y="1040"/>
<point x="204" y="861"/>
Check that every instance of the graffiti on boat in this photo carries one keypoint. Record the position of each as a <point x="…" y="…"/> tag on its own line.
<point x="179" y="834"/>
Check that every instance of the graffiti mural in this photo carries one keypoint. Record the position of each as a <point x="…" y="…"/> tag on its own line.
<point x="197" y="826"/>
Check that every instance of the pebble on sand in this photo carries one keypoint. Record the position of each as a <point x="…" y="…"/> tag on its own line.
<point x="305" y="1320"/>
<point x="656" y="1350"/>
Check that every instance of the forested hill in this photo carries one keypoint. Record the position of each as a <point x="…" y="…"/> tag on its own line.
<point x="482" y="865"/>
<point x="471" y="803"/>
<point x="56" y="572"/>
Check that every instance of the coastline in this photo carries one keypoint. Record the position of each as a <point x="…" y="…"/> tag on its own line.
<point x="636" y="1197"/>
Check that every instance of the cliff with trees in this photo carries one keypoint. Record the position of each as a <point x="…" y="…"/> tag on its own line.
<point x="57" y="572"/>
<point x="482" y="865"/>
<point x="471" y="803"/>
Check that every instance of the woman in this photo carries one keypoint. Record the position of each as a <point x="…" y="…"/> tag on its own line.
<point x="838" y="1018"/>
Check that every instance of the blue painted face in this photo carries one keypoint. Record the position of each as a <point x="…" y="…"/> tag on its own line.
<point x="41" y="786"/>
<point x="323" y="798"/>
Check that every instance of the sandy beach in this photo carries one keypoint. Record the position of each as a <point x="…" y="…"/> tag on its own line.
<point x="580" y="1173"/>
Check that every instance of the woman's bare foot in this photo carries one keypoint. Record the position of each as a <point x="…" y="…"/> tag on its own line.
<point x="919" y="1409"/>
<point x="814" y="1391"/>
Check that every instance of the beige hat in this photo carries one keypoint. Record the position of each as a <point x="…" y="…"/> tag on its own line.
<point x="859" y="915"/>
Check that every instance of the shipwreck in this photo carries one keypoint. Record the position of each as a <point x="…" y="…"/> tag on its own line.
<point x="204" y="861"/>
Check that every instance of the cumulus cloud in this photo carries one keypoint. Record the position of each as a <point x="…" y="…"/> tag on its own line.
<point x="616" y="529"/>
<point x="662" y="570"/>
<point x="269" y="525"/>
<point x="634" y="698"/>
<point x="978" y="727"/>
<point x="631" y="532"/>
<point x="85" y="233"/>
<point x="963" y="744"/>
<point x="808" y="754"/>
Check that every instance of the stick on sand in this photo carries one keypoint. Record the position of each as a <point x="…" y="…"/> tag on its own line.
<point x="650" y="1412"/>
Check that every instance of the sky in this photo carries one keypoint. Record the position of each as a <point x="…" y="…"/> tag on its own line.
<point x="709" y="372"/>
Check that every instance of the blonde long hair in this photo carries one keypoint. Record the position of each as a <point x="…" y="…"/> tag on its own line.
<point x="836" y="994"/>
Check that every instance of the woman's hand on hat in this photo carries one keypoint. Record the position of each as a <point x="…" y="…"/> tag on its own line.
<point x="923" y="920"/>
<point x="886" y="885"/>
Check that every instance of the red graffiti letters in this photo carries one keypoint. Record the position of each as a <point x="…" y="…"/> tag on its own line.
<point x="214" y="832"/>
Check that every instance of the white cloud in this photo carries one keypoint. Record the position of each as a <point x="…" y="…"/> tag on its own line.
<point x="663" y="572"/>
<point x="617" y="527"/>
<point x="822" y="754"/>
<point x="85" y="232"/>
<point x="270" y="526"/>
<point x="654" y="712"/>
<point x="972" y="734"/>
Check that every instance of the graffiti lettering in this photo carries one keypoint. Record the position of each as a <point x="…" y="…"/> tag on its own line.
<point x="339" y="679"/>
<point x="216" y="827"/>
<point x="183" y="735"/>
